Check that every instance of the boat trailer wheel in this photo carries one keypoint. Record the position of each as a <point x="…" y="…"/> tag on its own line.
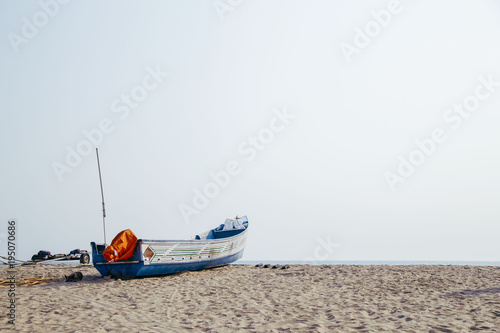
<point x="84" y="258"/>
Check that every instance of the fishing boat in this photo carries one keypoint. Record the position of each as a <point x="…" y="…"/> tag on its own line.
<point x="129" y="257"/>
<point x="216" y="247"/>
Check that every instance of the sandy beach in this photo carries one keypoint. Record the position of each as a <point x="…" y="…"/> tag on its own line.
<point x="234" y="298"/>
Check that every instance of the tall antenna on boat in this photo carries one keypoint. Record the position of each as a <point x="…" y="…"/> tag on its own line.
<point x="102" y="195"/>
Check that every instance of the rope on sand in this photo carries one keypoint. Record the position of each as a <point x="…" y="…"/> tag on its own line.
<point x="27" y="282"/>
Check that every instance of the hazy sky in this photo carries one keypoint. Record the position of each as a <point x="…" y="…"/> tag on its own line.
<point x="344" y="130"/>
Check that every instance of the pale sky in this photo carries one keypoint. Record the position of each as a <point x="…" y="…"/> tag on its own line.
<point x="371" y="126"/>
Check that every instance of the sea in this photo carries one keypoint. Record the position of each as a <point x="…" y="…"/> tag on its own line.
<point x="367" y="262"/>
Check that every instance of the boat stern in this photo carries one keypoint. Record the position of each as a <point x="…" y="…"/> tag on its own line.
<point x="122" y="268"/>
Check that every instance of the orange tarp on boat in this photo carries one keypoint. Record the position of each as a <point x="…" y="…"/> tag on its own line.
<point x="122" y="247"/>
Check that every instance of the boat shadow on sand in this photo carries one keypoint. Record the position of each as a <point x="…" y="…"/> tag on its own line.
<point x="96" y="278"/>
